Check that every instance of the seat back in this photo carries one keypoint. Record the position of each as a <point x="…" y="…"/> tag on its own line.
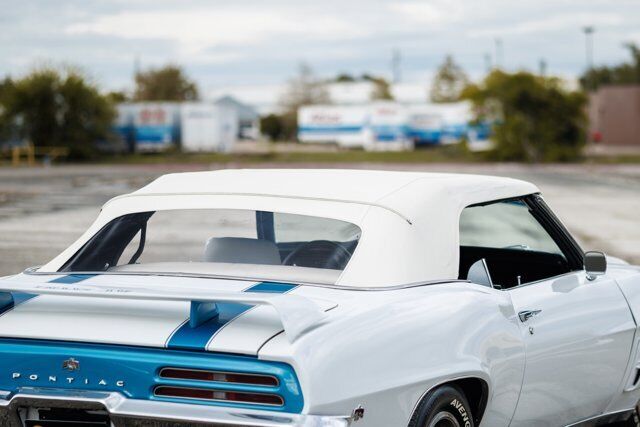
<point x="241" y="250"/>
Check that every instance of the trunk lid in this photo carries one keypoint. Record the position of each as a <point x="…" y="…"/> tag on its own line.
<point x="182" y="313"/>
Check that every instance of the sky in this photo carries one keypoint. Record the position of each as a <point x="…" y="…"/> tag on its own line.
<point x="251" y="47"/>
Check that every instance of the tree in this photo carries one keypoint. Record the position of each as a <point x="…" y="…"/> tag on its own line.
<point x="381" y="90"/>
<point x="271" y="126"/>
<point x="58" y="107"/>
<point x="168" y="83"/>
<point x="345" y="78"/>
<point x="535" y="118"/>
<point x="627" y="73"/>
<point x="304" y="89"/>
<point x="449" y="82"/>
<point x="118" y="97"/>
<point x="7" y="123"/>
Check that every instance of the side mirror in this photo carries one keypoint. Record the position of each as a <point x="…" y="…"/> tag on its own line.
<point x="595" y="264"/>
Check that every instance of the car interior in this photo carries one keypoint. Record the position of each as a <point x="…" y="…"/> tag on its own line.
<point x="539" y="247"/>
<point x="512" y="267"/>
<point x="325" y="254"/>
<point x="106" y="251"/>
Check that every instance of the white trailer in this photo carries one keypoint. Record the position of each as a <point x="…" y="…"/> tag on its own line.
<point x="391" y="126"/>
<point x="344" y="125"/>
<point x="388" y="122"/>
<point x="156" y="125"/>
<point x="208" y="128"/>
<point x="374" y="126"/>
<point x="123" y="128"/>
<point x="425" y="123"/>
<point x="458" y="124"/>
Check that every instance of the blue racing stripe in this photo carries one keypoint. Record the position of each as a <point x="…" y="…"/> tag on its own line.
<point x="271" y="287"/>
<point x="188" y="338"/>
<point x="72" y="278"/>
<point x="9" y="301"/>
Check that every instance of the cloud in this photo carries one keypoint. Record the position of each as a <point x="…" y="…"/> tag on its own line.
<point x="551" y="24"/>
<point x="245" y="43"/>
<point x="438" y="13"/>
<point x="196" y="30"/>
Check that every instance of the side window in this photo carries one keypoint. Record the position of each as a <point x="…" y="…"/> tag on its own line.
<point x="515" y="246"/>
<point x="505" y="225"/>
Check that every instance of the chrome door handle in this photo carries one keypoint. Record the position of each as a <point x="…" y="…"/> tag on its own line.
<point x="528" y="314"/>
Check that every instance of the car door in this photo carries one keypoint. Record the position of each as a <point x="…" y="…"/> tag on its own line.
<point x="578" y="336"/>
<point x="577" y="333"/>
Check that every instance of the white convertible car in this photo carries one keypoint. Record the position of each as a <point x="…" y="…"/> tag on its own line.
<point x="322" y="298"/>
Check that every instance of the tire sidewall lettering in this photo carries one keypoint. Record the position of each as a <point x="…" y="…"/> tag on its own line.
<point x="462" y="412"/>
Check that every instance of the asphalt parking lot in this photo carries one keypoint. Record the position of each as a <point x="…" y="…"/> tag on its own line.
<point x="42" y="210"/>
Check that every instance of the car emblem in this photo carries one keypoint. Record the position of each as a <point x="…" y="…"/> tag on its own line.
<point x="71" y="364"/>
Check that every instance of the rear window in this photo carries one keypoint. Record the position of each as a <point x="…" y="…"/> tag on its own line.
<point x="202" y="240"/>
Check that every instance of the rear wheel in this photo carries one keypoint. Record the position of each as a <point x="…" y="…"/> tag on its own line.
<point x="445" y="406"/>
<point x="632" y="421"/>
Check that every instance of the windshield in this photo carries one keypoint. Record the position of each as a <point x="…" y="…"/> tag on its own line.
<point x="207" y="241"/>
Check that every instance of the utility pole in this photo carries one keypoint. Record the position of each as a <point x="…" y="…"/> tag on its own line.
<point x="543" y="67"/>
<point x="488" y="64"/>
<point x="588" y="35"/>
<point x="136" y="65"/>
<point x="396" y="59"/>
<point x="499" y="53"/>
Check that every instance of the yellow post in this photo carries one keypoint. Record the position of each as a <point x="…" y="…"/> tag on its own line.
<point x="15" y="156"/>
<point x="31" y="155"/>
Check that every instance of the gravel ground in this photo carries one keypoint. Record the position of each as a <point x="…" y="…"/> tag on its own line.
<point x="42" y="210"/>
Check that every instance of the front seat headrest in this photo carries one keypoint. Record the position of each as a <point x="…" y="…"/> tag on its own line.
<point x="479" y="273"/>
<point x="241" y="251"/>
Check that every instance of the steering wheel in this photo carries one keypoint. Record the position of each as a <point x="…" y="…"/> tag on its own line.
<point x="319" y="254"/>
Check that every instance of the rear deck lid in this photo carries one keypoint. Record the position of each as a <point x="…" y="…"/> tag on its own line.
<point x="217" y="315"/>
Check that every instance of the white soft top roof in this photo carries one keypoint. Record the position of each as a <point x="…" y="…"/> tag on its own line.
<point x="397" y="191"/>
<point x="409" y="220"/>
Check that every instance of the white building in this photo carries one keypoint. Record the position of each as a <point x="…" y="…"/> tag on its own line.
<point x="248" y="117"/>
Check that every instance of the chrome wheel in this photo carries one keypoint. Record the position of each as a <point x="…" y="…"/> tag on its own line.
<point x="444" y="419"/>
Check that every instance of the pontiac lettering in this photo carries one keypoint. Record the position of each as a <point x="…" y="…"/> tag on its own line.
<point x="69" y="380"/>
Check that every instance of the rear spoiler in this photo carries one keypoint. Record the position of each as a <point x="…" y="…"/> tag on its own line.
<point x="298" y="314"/>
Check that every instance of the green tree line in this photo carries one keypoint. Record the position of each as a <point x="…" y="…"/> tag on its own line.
<point x="62" y="107"/>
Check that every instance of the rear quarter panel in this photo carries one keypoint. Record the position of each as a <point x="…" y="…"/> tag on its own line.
<point x="385" y="349"/>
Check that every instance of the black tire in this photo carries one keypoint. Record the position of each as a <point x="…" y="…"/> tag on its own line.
<point x="445" y="406"/>
<point x="632" y="421"/>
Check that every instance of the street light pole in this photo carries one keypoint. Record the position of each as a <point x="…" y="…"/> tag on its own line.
<point x="588" y="33"/>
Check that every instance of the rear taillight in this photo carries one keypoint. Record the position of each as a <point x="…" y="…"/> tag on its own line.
<point x="219" y="395"/>
<point x="217" y="376"/>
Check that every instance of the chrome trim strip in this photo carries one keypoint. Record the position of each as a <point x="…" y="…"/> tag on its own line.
<point x="119" y="406"/>
<point x="33" y="272"/>
<point x="239" y="374"/>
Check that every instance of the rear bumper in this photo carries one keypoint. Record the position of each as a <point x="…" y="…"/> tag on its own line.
<point x="125" y="412"/>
